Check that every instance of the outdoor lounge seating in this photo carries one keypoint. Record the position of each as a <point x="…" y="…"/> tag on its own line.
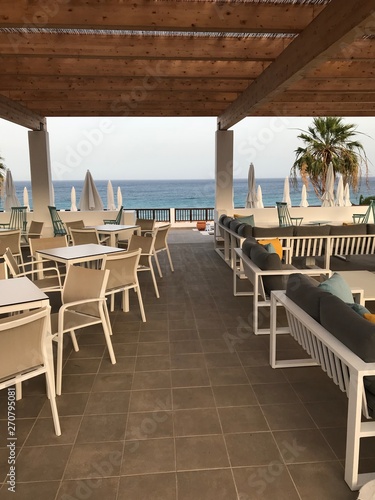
<point x="34" y="231"/>
<point x="161" y="245"/>
<point x="117" y="220"/>
<point x="11" y="239"/>
<point x="147" y="225"/>
<point x="26" y="352"/>
<point x="59" y="228"/>
<point x="146" y="244"/>
<point x="84" y="236"/>
<point x="342" y="342"/>
<point x="284" y="216"/>
<point x="364" y="218"/>
<point x="17" y="219"/>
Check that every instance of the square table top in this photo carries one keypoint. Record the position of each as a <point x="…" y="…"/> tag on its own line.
<point x="21" y="290"/>
<point x="107" y="228"/>
<point x="78" y="253"/>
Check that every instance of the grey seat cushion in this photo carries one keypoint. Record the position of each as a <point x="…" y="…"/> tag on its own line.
<point x="304" y="291"/>
<point x="233" y="225"/>
<point x="312" y="230"/>
<point x="272" y="232"/>
<point x="226" y="221"/>
<point x="245" y="230"/>
<point x="370" y="228"/>
<point x="349" y="327"/>
<point x="247" y="244"/>
<point x="266" y="262"/>
<point x="348" y="229"/>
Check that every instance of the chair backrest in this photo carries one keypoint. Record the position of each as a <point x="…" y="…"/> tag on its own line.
<point x="161" y="237"/>
<point x="11" y="263"/>
<point x="146" y="224"/>
<point x="82" y="283"/>
<point x="58" y="225"/>
<point x="3" y="270"/>
<point x="35" y="229"/>
<point x="283" y="214"/>
<point x="12" y="240"/>
<point x="84" y="236"/>
<point x="122" y="267"/>
<point x="46" y="243"/>
<point x="74" y="224"/>
<point x="371" y="209"/>
<point x="22" y="342"/>
<point x="119" y="216"/>
<point x="18" y="218"/>
<point x="146" y="244"/>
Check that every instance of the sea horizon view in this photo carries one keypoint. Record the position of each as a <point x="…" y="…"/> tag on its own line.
<point x="189" y="193"/>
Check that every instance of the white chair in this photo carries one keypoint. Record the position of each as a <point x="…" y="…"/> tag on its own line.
<point x="26" y="352"/>
<point x="161" y="245"/>
<point x="83" y="305"/>
<point x="11" y="239"/>
<point x="51" y="282"/>
<point x="123" y="277"/>
<point x="146" y="244"/>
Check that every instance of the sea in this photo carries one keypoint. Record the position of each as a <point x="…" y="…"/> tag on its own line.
<point x="192" y="193"/>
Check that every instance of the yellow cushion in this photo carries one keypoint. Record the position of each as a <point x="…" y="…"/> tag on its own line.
<point x="276" y="243"/>
<point x="237" y="215"/>
<point x="370" y="317"/>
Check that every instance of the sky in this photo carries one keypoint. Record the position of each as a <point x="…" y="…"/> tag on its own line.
<point x="164" y="148"/>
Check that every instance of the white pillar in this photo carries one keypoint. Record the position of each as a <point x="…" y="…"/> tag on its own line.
<point x="41" y="180"/>
<point x="224" y="171"/>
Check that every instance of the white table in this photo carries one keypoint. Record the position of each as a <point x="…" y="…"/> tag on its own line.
<point x="361" y="283"/>
<point x="113" y="230"/>
<point x="19" y="294"/>
<point x="77" y="254"/>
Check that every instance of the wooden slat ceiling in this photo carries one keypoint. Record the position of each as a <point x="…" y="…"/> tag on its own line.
<point x="221" y="58"/>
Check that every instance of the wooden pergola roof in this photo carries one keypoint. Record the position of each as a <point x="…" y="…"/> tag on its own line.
<point x="224" y="58"/>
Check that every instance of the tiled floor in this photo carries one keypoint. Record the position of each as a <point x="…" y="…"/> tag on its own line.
<point x="191" y="411"/>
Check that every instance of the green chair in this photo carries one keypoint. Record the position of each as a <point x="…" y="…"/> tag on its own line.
<point x="285" y="219"/>
<point x="116" y="221"/>
<point x="364" y="218"/>
<point x="58" y="225"/>
<point x="17" y="219"/>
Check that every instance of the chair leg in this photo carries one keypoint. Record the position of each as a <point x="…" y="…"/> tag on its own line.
<point x="125" y="300"/>
<point x="112" y="302"/>
<point x="170" y="259"/>
<point x="154" y="279"/>
<point x="74" y="341"/>
<point x="158" y="265"/>
<point x="60" y="337"/>
<point x="52" y="398"/>
<point x="138" y="291"/>
<point x="107" y="332"/>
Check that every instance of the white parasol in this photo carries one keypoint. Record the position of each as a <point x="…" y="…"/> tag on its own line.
<point x="251" y="200"/>
<point x="347" y="202"/>
<point x="26" y="199"/>
<point x="340" y="193"/>
<point x="119" y="198"/>
<point x="73" y="200"/>
<point x="110" y="197"/>
<point x="259" y="197"/>
<point x="328" y="199"/>
<point x="286" y="195"/>
<point x="11" y="199"/>
<point x="90" y="198"/>
<point x="304" y="202"/>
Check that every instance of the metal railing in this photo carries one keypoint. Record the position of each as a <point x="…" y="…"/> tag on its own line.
<point x="180" y="214"/>
<point x="193" y="214"/>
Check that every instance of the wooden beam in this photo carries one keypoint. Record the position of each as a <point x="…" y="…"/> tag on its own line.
<point x="113" y="83"/>
<point x="325" y="97"/>
<point x="142" y="47"/>
<point x="335" y="26"/>
<point x="16" y="113"/>
<point x="315" y="109"/>
<point x="334" y="84"/>
<point x="116" y="67"/>
<point x="159" y="15"/>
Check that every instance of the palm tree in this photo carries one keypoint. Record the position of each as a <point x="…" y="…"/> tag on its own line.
<point x="2" y="174"/>
<point x="329" y="140"/>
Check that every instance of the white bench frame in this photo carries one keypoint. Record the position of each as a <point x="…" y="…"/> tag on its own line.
<point x="255" y="275"/>
<point x="344" y="367"/>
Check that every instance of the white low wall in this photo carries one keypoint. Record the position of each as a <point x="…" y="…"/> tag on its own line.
<point x="268" y="216"/>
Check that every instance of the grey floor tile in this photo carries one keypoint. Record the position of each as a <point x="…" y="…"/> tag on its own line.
<point x="275" y="393"/>
<point x="307" y="445"/>
<point x="148" y="456"/>
<point x="247" y="449"/>
<point x="152" y="380"/>
<point x="234" y="395"/>
<point x="196" y="422"/>
<point x="206" y="484"/>
<point x="149" y="425"/>
<point x="148" y="486"/>
<point x="288" y="416"/>
<point x="150" y="400"/>
<point x="192" y="397"/>
<point x="43" y="490"/>
<point x="109" y="402"/>
<point x="34" y="463"/>
<point x="234" y="375"/>
<point x="190" y="378"/>
<point x="97" y="428"/>
<point x="201" y="452"/>
<point x="93" y="489"/>
<point x="242" y="419"/>
<point x="94" y="460"/>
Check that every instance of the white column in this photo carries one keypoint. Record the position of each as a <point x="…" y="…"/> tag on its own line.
<point x="224" y="171"/>
<point x="41" y="180"/>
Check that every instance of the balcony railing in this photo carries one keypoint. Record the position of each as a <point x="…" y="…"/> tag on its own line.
<point x="175" y="215"/>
